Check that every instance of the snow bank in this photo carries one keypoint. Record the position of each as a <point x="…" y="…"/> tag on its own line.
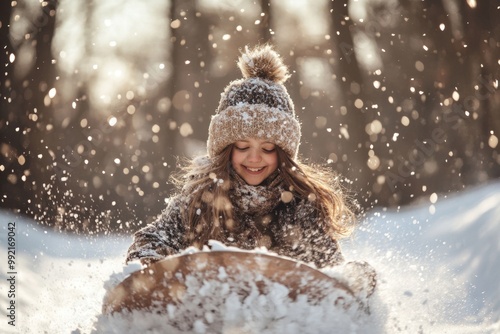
<point x="59" y="277"/>
<point x="438" y="272"/>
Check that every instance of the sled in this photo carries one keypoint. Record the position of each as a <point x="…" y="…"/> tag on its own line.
<point x="201" y="277"/>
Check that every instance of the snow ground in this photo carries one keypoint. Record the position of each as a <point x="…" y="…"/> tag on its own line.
<point x="438" y="272"/>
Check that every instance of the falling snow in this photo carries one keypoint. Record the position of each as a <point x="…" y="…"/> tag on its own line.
<point x="398" y="98"/>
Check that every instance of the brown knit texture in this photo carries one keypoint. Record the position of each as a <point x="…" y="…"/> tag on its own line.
<point x="257" y="106"/>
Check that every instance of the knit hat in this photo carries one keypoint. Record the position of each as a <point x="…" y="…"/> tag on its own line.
<point x="257" y="106"/>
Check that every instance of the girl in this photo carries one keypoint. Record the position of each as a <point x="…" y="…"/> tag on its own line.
<point x="251" y="190"/>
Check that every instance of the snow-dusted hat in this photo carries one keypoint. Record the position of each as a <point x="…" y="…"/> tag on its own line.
<point x="257" y="106"/>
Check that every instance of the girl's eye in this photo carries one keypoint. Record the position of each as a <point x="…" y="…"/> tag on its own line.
<point x="241" y="148"/>
<point x="269" y="150"/>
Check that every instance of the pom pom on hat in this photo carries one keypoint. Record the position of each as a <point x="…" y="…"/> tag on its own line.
<point x="263" y="63"/>
<point x="257" y="106"/>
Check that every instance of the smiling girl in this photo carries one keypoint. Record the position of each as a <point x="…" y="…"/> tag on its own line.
<point x="254" y="160"/>
<point x="251" y="190"/>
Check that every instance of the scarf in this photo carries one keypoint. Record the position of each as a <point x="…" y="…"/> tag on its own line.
<point x="255" y="200"/>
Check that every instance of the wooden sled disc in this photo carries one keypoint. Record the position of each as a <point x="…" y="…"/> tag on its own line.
<point x="166" y="282"/>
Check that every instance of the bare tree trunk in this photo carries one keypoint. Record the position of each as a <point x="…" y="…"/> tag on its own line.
<point x="13" y="122"/>
<point x="42" y="79"/>
<point x="267" y="20"/>
<point x="481" y="36"/>
<point x="351" y="81"/>
<point x="25" y="173"/>
<point x="190" y="56"/>
<point x="461" y="42"/>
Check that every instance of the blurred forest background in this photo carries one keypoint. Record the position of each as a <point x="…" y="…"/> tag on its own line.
<point x="99" y="98"/>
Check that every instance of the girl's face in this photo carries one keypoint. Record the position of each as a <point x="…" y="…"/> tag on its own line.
<point x="254" y="160"/>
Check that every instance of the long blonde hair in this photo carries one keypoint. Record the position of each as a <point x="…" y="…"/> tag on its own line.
<point x="209" y="212"/>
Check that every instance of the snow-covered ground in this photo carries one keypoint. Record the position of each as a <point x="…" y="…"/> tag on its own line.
<point x="439" y="272"/>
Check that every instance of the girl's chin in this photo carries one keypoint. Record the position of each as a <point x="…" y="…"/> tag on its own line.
<point x="254" y="180"/>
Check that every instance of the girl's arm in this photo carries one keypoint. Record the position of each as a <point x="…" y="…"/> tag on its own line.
<point x="162" y="238"/>
<point x="317" y="246"/>
<point x="305" y="237"/>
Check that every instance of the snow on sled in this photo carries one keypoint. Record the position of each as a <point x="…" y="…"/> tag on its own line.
<point x="221" y="291"/>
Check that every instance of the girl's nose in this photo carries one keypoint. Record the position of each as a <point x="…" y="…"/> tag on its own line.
<point x="254" y="156"/>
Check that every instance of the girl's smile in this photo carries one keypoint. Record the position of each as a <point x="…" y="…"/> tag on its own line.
<point x="254" y="160"/>
<point x="254" y="170"/>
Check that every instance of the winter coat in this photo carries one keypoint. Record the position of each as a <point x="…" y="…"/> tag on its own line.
<point x="294" y="229"/>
